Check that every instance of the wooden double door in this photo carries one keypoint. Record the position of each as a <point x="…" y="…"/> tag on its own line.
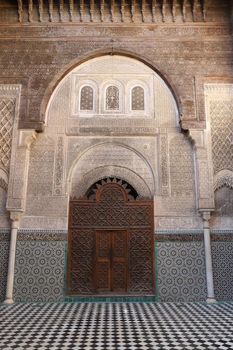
<point x="110" y="244"/>
<point x="111" y="261"/>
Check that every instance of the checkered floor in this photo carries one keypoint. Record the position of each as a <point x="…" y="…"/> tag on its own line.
<point x="116" y="326"/>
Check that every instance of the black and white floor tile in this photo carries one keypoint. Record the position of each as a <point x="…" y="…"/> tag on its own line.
<point x="116" y="326"/>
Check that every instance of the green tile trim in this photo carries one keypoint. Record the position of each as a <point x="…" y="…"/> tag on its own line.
<point x="156" y="273"/>
<point x="65" y="269"/>
<point x="89" y="299"/>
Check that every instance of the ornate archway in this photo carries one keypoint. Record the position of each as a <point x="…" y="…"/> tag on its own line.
<point x="111" y="242"/>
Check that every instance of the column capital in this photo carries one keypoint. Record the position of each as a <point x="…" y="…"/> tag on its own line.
<point x="206" y="214"/>
<point x="15" y="217"/>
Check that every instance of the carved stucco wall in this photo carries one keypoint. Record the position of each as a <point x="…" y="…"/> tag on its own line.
<point x="143" y="147"/>
<point x="9" y="102"/>
<point x="9" y="95"/>
<point x="219" y="107"/>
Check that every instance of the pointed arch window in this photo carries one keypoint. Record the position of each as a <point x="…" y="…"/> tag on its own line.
<point x="112" y="98"/>
<point x="137" y="99"/>
<point x="87" y="98"/>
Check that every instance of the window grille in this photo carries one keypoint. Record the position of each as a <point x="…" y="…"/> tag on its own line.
<point x="112" y="98"/>
<point x="86" y="99"/>
<point x="138" y="98"/>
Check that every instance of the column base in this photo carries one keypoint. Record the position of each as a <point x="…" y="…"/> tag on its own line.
<point x="8" y="301"/>
<point x="211" y="300"/>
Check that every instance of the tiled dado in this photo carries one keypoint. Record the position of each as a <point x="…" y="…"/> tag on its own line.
<point x="39" y="271"/>
<point x="222" y="256"/>
<point x="180" y="266"/>
<point x="4" y="254"/>
<point x="180" y="271"/>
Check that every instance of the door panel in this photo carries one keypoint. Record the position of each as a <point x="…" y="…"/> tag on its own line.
<point x="103" y="276"/>
<point x="119" y="261"/>
<point x="103" y="261"/>
<point x="111" y="260"/>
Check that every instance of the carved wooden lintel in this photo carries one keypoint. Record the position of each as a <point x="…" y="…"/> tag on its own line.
<point x="153" y="10"/>
<point x="61" y="9"/>
<point x="71" y="9"/>
<point x="41" y="10"/>
<point x="102" y="10"/>
<point x="92" y="10"/>
<point x="20" y="11"/>
<point x="112" y="8"/>
<point x="139" y="11"/>
<point x="174" y="4"/>
<point x="122" y="10"/>
<point x="143" y="5"/>
<point x="132" y="10"/>
<point x="50" y="10"/>
<point x="81" y="10"/>
<point x="184" y="4"/>
<point x="30" y="10"/>
<point x="164" y="8"/>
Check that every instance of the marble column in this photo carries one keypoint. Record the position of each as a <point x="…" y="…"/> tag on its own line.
<point x="208" y="258"/>
<point x="15" y="219"/>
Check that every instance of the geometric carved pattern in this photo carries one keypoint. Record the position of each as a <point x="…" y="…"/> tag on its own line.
<point x="7" y="110"/>
<point x="137" y="98"/>
<point x="58" y="166"/>
<point x="81" y="248"/>
<point x="222" y="134"/>
<point x="164" y="164"/>
<point x="4" y="251"/>
<point x="140" y="260"/>
<point x="112" y="210"/>
<point x="181" y="166"/>
<point x="39" y="271"/>
<point x="112" y="98"/>
<point x="222" y="254"/>
<point x="181" y="271"/>
<point x="86" y="99"/>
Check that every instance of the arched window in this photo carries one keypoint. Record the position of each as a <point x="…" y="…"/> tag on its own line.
<point x="86" y="98"/>
<point x="112" y="98"/>
<point x="137" y="99"/>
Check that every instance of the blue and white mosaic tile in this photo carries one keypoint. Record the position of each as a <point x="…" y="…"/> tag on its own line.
<point x="181" y="271"/>
<point x="39" y="271"/>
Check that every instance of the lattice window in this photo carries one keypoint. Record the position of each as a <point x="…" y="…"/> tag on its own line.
<point x="222" y="134"/>
<point x="7" y="109"/>
<point x="112" y="98"/>
<point x="137" y="99"/>
<point x="86" y="99"/>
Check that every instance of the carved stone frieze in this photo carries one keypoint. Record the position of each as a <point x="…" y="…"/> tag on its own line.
<point x="59" y="167"/>
<point x="42" y="235"/>
<point x="164" y="166"/>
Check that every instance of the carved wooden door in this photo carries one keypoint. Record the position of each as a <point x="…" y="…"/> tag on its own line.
<point x="111" y="261"/>
<point x="111" y="243"/>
